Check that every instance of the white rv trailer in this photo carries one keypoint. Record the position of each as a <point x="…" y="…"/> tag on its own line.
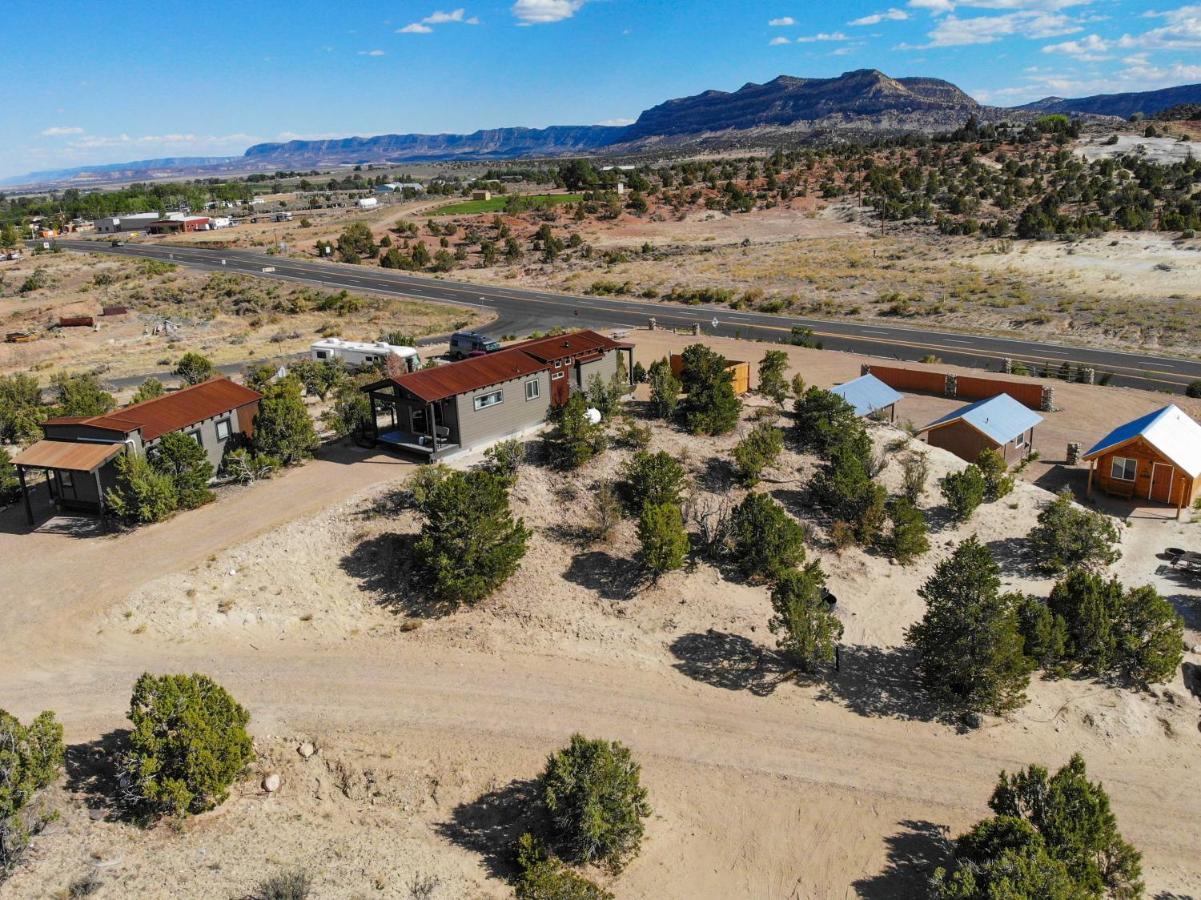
<point x="363" y="353"/>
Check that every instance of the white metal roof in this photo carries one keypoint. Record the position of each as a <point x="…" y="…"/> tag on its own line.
<point x="362" y="346"/>
<point x="1168" y="430"/>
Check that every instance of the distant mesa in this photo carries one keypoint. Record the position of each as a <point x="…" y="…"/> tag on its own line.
<point x="860" y="103"/>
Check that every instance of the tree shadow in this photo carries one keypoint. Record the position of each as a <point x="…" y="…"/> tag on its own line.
<point x="878" y="682"/>
<point x="1188" y="606"/>
<point x="612" y="577"/>
<point x="383" y="566"/>
<point x="491" y="824"/>
<point x="730" y="662"/>
<point x="570" y="534"/>
<point x="913" y="855"/>
<point x="1014" y="557"/>
<point x="91" y="774"/>
<point x="717" y="476"/>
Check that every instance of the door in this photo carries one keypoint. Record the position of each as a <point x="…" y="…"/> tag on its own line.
<point x="560" y="388"/>
<point x="1162" y="477"/>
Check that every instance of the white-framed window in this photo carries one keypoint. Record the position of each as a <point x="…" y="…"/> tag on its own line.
<point x="1123" y="468"/>
<point x="556" y="376"/>
<point x="483" y="401"/>
<point x="196" y="436"/>
<point x="532" y="389"/>
<point x="558" y="363"/>
<point x="223" y="429"/>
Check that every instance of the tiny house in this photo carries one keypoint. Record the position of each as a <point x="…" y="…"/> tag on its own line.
<point x="999" y="423"/>
<point x="1156" y="457"/>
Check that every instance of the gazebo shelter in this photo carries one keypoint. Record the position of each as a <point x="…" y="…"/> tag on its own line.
<point x="72" y="472"/>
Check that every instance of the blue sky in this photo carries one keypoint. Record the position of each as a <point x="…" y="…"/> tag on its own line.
<point x="93" y="82"/>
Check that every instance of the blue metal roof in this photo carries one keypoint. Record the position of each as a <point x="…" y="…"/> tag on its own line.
<point x="867" y="394"/>
<point x="1001" y="418"/>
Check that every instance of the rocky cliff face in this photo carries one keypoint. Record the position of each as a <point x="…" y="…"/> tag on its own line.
<point x="809" y="103"/>
<point x="496" y="142"/>
<point x="1125" y="105"/>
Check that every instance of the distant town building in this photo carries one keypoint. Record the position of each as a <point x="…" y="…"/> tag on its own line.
<point x="179" y="223"/>
<point x="131" y="222"/>
<point x="396" y="187"/>
<point x="481" y="195"/>
<point x="367" y="203"/>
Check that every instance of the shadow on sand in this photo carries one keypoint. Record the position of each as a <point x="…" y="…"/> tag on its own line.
<point x="491" y="824"/>
<point x="730" y="662"/>
<point x="913" y="855"/>
<point x="383" y="566"/>
<point x="879" y="681"/>
<point x="92" y="774"/>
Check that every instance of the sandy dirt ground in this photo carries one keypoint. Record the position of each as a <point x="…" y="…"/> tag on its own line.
<point x="296" y="594"/>
<point x="229" y="319"/>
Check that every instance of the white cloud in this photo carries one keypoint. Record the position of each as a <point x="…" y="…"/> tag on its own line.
<point x="777" y="41"/>
<point x="1182" y="32"/>
<point x="889" y="15"/>
<point x="822" y="36"/>
<point x="782" y="22"/>
<point x="61" y="131"/>
<point x="415" y="28"/>
<point x="942" y="7"/>
<point x="372" y="53"/>
<point x="938" y="7"/>
<point x="542" y="12"/>
<point x="444" y="18"/>
<point x="953" y="31"/>
<point x="1088" y="49"/>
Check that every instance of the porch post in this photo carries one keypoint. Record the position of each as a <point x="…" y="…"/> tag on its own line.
<point x="99" y="494"/>
<point x="1092" y="467"/>
<point x="1180" y="502"/>
<point x="433" y="429"/>
<point x="25" y="494"/>
<point x="374" y="416"/>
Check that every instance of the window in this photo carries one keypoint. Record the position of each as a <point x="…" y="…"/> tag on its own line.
<point x="556" y="376"/>
<point x="1124" y="469"/>
<point x="223" y="429"/>
<point x="67" y="479"/>
<point x="323" y="354"/>
<point x="531" y="390"/>
<point x="558" y="363"/>
<point x="195" y="435"/>
<point x="483" y="401"/>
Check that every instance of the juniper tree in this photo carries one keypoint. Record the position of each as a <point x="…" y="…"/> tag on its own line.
<point x="766" y="540"/>
<point x="573" y="439"/>
<point x="772" y="383"/>
<point x="1068" y="536"/>
<point x="757" y="451"/>
<point x="710" y="405"/>
<point x="654" y="478"/>
<point x="663" y="543"/>
<point x="807" y="629"/>
<point x="964" y="491"/>
<point x="665" y="389"/>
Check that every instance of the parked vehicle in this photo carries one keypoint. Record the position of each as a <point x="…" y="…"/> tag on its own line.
<point x="364" y="353"/>
<point x="470" y="343"/>
<point x="116" y="243"/>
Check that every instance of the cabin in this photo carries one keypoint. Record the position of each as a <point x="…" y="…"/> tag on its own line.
<point x="1156" y="457"/>
<point x="483" y="399"/>
<point x="869" y="396"/>
<point x="999" y="423"/>
<point x="78" y="454"/>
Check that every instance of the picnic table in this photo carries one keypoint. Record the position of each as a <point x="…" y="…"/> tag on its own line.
<point x="1189" y="561"/>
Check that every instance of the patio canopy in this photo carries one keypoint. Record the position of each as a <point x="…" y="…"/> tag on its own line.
<point x="67" y="455"/>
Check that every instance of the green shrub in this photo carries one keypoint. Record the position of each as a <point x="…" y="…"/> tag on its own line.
<point x="710" y="405"/>
<point x="910" y="533"/>
<point x="772" y="383"/>
<point x="505" y="458"/>
<point x="970" y="651"/>
<point x="1044" y="634"/>
<point x="807" y="629"/>
<point x="148" y="390"/>
<point x="663" y="543"/>
<point x="30" y="759"/>
<point x="605" y="396"/>
<point x="349" y="411"/>
<point x="757" y="451"/>
<point x="188" y="745"/>
<point x="184" y="461"/>
<point x="80" y="395"/>
<point x="594" y="800"/>
<point x="634" y="436"/>
<point x="282" y="428"/>
<point x="915" y="469"/>
<point x="10" y="484"/>
<point x="1068" y="536"/>
<point x="992" y="467"/>
<point x="194" y="368"/>
<point x="142" y="494"/>
<point x="1194" y="389"/>
<point x="544" y="877"/>
<point x="824" y="421"/>
<point x="964" y="491"/>
<point x="470" y="544"/>
<point x="20" y="409"/>
<point x="1073" y="817"/>
<point x="1004" y="857"/>
<point x="665" y="389"/>
<point x="652" y="478"/>
<point x="766" y="540"/>
<point x="843" y="486"/>
<point x="573" y="440"/>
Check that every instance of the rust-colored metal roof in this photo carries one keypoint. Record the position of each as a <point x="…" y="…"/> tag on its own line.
<point x="74" y="457"/>
<point x="514" y="361"/>
<point x="174" y="411"/>
<point x="472" y="374"/>
<point x="574" y="344"/>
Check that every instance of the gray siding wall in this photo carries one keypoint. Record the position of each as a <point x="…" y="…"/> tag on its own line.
<point x="214" y="447"/>
<point x="88" y="434"/>
<point x="605" y="367"/>
<point x="509" y="417"/>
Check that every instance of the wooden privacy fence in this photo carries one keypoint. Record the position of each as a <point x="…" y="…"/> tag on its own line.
<point x="1031" y="394"/>
<point x="740" y="372"/>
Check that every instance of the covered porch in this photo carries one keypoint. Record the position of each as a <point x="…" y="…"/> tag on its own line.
<point x="401" y="421"/>
<point x="73" y="474"/>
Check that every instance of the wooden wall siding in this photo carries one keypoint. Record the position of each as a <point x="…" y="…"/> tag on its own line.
<point x="740" y="372"/>
<point x="1029" y="394"/>
<point x="900" y="379"/>
<point x="963" y="440"/>
<point x="1147" y="456"/>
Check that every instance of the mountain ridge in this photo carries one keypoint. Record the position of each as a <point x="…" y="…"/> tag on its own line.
<point x="859" y="102"/>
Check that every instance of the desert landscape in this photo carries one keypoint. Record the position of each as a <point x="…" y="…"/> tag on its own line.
<point x="423" y="726"/>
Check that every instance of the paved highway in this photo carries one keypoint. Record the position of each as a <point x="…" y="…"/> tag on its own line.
<point x="521" y="311"/>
